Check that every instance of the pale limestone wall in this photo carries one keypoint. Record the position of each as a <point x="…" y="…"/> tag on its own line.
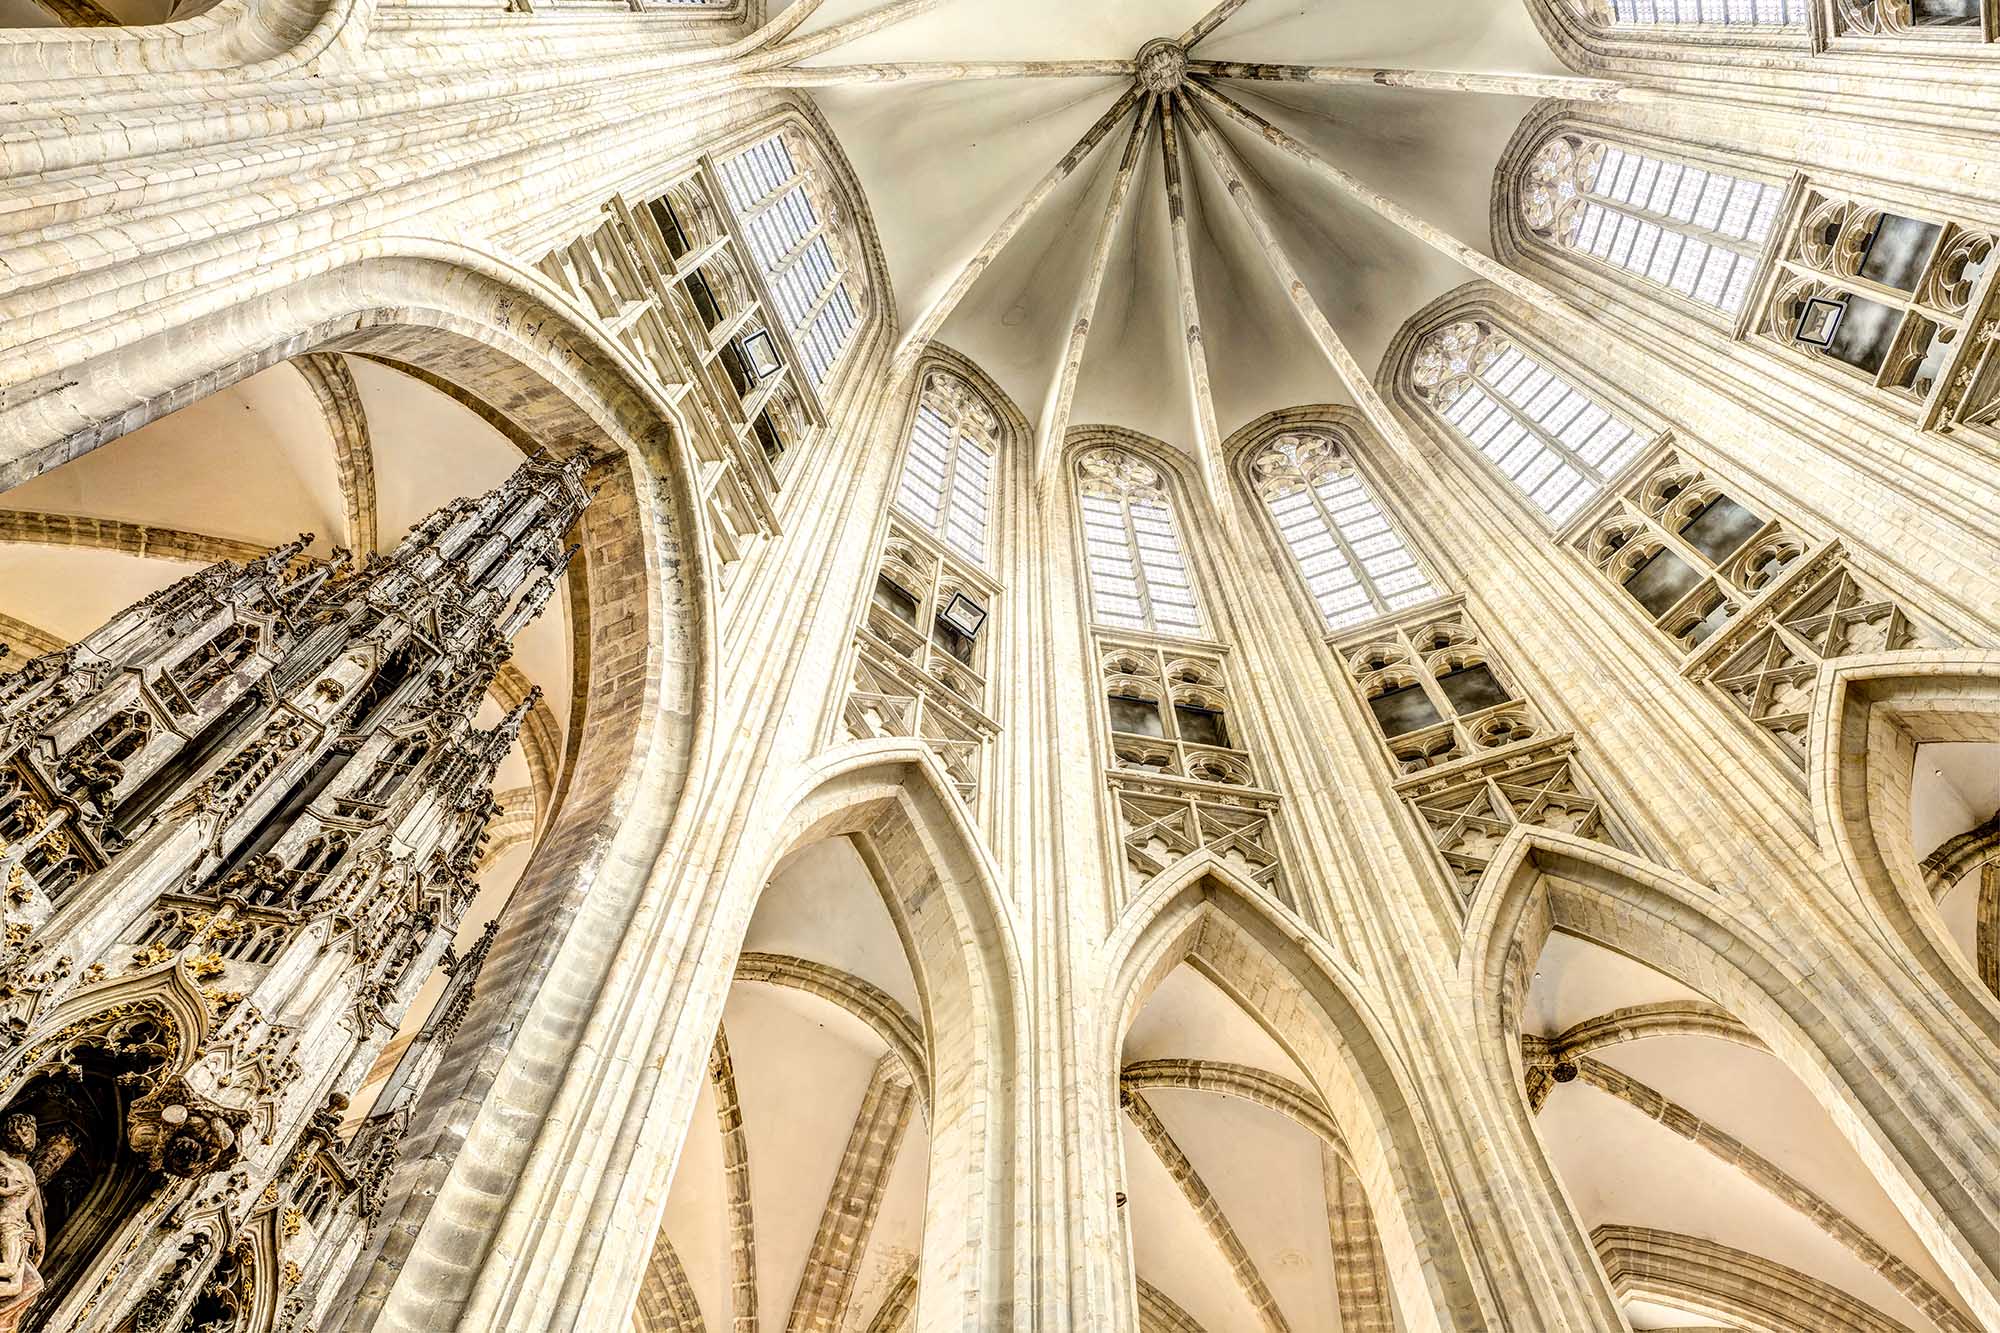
<point x="177" y="219"/>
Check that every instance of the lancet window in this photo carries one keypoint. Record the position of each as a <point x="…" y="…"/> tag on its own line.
<point x="921" y="650"/>
<point x="1695" y="231"/>
<point x="1951" y="20"/>
<point x="1683" y="13"/>
<point x="1138" y="574"/>
<point x="1555" y="443"/>
<point x="1892" y="303"/>
<point x="787" y="233"/>
<point x="1354" y="562"/>
<point x="947" y="482"/>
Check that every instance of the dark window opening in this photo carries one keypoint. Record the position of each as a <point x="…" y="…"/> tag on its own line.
<point x="1472" y="688"/>
<point x="767" y="436"/>
<point x="1719" y="528"/>
<point x="1865" y="334"/>
<point x="1404" y="710"/>
<point x="705" y="303"/>
<point x="739" y="374"/>
<point x="670" y="227"/>
<point x="948" y="637"/>
<point x="1136" y="717"/>
<point x="1661" y="582"/>
<point x="1203" y="726"/>
<point x="1897" y="252"/>
<point x="890" y="596"/>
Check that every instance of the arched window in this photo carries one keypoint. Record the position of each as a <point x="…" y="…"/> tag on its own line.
<point x="947" y="481"/>
<point x="1553" y="441"/>
<point x="788" y="237"/>
<point x="1682" y="13"/>
<point x="1138" y="575"/>
<point x="1697" y="232"/>
<point x="1354" y="562"/>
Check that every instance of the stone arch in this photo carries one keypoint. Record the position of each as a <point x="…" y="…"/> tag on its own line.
<point x="1543" y="882"/>
<point x="1524" y="248"/>
<point x="1319" y="1013"/>
<point x="498" y="334"/>
<point x="1872" y="715"/>
<point x="891" y="798"/>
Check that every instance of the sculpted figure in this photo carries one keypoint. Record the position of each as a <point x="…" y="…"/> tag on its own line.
<point x="22" y="1231"/>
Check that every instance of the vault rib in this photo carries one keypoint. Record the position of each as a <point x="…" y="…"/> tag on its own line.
<point x="1160" y="1313"/>
<point x="1530" y="291"/>
<point x="1062" y="393"/>
<point x="1208" y="434"/>
<point x="736" y="1187"/>
<point x="946" y="71"/>
<point x="852" y="1203"/>
<point x="1208" y="1208"/>
<point x="332" y="383"/>
<point x="27" y="527"/>
<point x="1360" y="1269"/>
<point x="1210" y="21"/>
<point x="1780" y="1185"/>
<point x="1570" y="87"/>
<point x="927" y="327"/>
<point x="1705" y="1276"/>
<point x="895" y="1025"/>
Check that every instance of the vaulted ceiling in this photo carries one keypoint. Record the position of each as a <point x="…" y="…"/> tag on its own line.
<point x="945" y="162"/>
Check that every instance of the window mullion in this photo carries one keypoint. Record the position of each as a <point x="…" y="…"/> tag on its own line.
<point x="1375" y="598"/>
<point x="1549" y="441"/>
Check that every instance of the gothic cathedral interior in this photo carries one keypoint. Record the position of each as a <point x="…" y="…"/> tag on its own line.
<point x="1000" y="666"/>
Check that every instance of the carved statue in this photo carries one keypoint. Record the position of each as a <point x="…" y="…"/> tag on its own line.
<point x="23" y="1235"/>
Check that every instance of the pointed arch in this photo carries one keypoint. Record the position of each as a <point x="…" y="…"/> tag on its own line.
<point x="889" y="798"/>
<point x="1872" y="715"/>
<point x="1813" y="1012"/>
<point x="644" y="657"/>
<point x="1205" y="915"/>
<point x="1134" y="537"/>
<point x="1348" y="548"/>
<point x="1675" y="223"/>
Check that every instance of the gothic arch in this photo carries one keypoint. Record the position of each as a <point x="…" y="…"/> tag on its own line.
<point x="496" y="333"/>
<point x="889" y="797"/>
<point x="1518" y="245"/>
<point x="1204" y="914"/>
<point x="1543" y="882"/>
<point x="1872" y="715"/>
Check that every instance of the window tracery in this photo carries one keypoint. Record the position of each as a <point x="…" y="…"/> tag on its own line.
<point x="1684" y="549"/>
<point x="1697" y="232"/>
<point x="1181" y="774"/>
<point x="1353" y="560"/>
<point x="1475" y="757"/>
<point x="788" y="234"/>
<point x="668" y="280"/>
<point x="922" y="647"/>
<point x="917" y="671"/>
<point x="1137" y="573"/>
<point x="1555" y="443"/>
<point x="1685" y="13"/>
<point x="1903" y="306"/>
<point x="1930" y="20"/>
<point x="947" y="479"/>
